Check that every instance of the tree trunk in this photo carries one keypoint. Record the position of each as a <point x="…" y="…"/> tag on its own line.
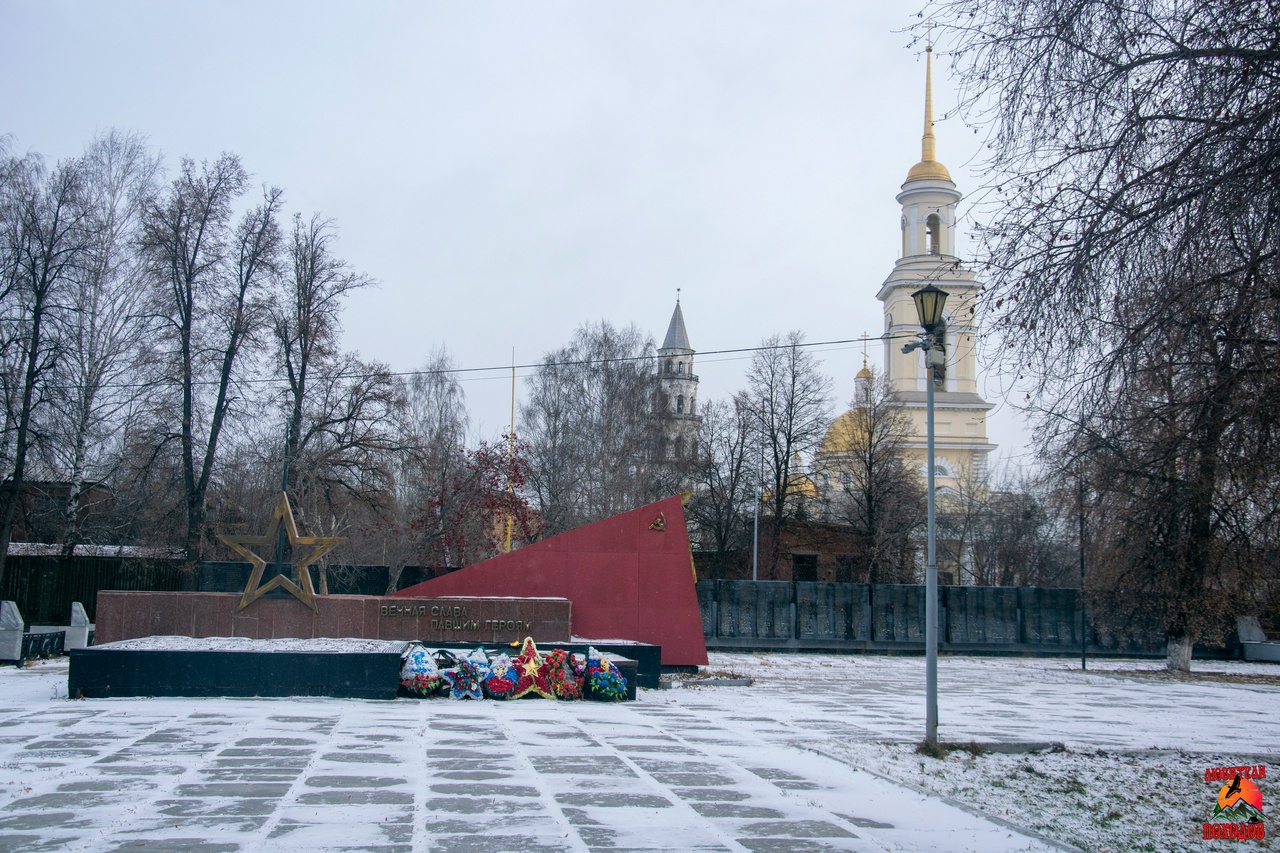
<point x="1179" y="659"/>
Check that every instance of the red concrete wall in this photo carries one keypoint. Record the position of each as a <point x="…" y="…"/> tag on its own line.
<point x="126" y="615"/>
<point x="627" y="580"/>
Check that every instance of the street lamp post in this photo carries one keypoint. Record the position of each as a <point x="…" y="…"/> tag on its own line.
<point x="929" y="303"/>
<point x="755" y="521"/>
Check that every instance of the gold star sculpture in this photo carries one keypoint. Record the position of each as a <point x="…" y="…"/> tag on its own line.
<point x="301" y="588"/>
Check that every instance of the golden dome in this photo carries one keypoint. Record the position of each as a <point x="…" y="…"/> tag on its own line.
<point x="865" y="372"/>
<point x="928" y="169"/>
<point x="845" y="433"/>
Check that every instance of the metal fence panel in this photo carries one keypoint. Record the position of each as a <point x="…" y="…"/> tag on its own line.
<point x="981" y="614"/>
<point x="45" y="587"/>
<point x="1049" y="616"/>
<point x="898" y="612"/>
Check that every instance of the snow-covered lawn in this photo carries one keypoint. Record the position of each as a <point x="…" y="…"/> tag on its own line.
<point x="1135" y="740"/>
<point x="818" y="755"/>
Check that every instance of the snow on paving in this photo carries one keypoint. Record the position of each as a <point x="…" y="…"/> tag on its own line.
<point x="817" y="756"/>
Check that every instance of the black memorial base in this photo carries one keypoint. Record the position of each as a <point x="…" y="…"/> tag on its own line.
<point x="105" y="672"/>
<point x="102" y="673"/>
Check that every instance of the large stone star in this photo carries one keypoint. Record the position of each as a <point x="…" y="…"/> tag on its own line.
<point x="301" y="588"/>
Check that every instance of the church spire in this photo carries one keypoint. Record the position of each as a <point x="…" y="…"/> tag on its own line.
<point x="677" y="338"/>
<point x="928" y="150"/>
<point x="928" y="169"/>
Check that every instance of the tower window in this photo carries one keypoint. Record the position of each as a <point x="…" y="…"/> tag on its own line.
<point x="679" y="448"/>
<point x="934" y="225"/>
<point x="668" y="367"/>
<point x="680" y="368"/>
<point x="692" y="400"/>
<point x="680" y="403"/>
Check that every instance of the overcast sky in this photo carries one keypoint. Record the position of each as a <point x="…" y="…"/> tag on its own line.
<point x="510" y="170"/>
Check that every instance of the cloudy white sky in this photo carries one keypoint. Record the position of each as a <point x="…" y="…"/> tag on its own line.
<point x="510" y="170"/>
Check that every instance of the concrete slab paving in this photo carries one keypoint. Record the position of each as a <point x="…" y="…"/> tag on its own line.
<point x="222" y="775"/>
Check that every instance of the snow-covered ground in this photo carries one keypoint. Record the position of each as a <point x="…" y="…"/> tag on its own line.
<point x="1135" y="740"/>
<point x="818" y="755"/>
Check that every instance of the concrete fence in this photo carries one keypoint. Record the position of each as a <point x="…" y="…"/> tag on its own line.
<point x="888" y="617"/>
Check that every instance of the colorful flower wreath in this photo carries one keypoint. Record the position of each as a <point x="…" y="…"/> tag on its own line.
<point x="501" y="682"/>
<point x="560" y="675"/>
<point x="531" y="673"/>
<point x="465" y="679"/>
<point x="424" y="685"/>
<point x="604" y="680"/>
<point x="419" y="675"/>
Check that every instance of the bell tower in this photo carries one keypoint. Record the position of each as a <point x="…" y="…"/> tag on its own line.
<point x="679" y="386"/>
<point x="929" y="199"/>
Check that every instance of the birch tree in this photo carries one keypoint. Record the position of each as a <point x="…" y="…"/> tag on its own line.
<point x="102" y="374"/>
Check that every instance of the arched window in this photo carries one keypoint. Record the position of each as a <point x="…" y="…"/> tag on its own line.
<point x="680" y="368"/>
<point x="692" y="400"/>
<point x="679" y="448"/>
<point x="934" y="226"/>
<point x="668" y="367"/>
<point x="680" y="404"/>
<point x="941" y="468"/>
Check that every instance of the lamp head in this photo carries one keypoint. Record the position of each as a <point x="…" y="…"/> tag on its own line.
<point x="929" y="303"/>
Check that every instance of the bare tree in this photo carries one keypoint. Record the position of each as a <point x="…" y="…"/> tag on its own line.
<point x="306" y="315"/>
<point x="1020" y="531"/>
<point x="434" y="454"/>
<point x="791" y="397"/>
<point x="101" y="375"/>
<point x="1131" y="258"/>
<point x="46" y="237"/>
<point x="871" y="487"/>
<point x="211" y="282"/>
<point x="724" y="486"/>
<point x="351" y="431"/>
<point x="590" y="425"/>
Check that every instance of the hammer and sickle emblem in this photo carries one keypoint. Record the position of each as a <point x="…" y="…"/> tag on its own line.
<point x="659" y="523"/>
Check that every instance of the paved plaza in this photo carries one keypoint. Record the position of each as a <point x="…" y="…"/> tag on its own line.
<point x="708" y="769"/>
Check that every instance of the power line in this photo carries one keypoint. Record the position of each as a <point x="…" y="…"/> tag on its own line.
<point x="505" y="368"/>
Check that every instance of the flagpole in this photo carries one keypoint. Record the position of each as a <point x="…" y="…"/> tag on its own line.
<point x="511" y="452"/>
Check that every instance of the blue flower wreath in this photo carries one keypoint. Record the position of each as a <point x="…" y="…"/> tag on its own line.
<point x="465" y="679"/>
<point x="604" y="680"/>
<point x="419" y="675"/>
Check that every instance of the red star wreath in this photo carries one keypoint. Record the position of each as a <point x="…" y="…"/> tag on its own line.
<point x="532" y="671"/>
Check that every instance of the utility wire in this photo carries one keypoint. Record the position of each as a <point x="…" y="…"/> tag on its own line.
<point x="506" y="368"/>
